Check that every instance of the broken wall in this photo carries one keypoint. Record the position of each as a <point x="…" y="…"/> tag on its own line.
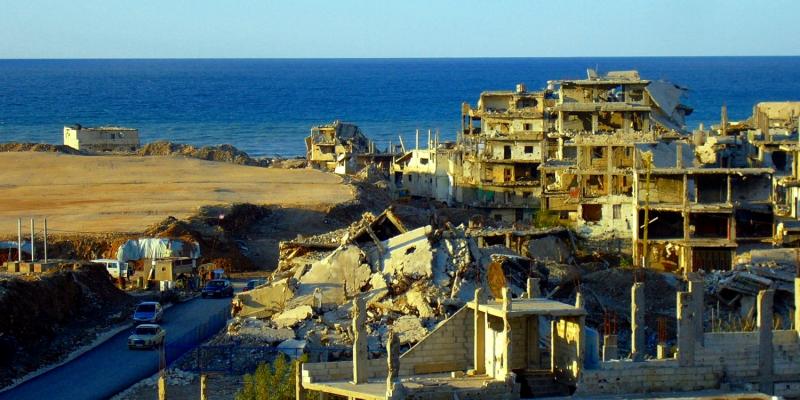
<point x="447" y="348"/>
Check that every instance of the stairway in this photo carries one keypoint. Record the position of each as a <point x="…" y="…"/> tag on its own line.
<point x="540" y="383"/>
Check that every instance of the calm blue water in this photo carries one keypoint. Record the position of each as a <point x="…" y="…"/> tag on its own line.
<point x="266" y="107"/>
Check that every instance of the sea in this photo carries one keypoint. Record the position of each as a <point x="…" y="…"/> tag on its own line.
<point x="267" y="106"/>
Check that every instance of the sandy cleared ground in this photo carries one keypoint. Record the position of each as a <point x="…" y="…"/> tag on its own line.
<point x="126" y="194"/>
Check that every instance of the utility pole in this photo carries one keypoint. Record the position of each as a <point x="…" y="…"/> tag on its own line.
<point x="647" y="160"/>
<point x="19" y="240"/>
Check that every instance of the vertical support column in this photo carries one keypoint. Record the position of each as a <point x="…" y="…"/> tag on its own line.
<point x="359" y="341"/>
<point x="610" y="347"/>
<point x="686" y="341"/>
<point x="594" y="122"/>
<point x="394" y="389"/>
<point x="553" y="344"/>
<point x="581" y="342"/>
<point x="697" y="290"/>
<point x="637" y="322"/>
<point x="765" y="356"/>
<point x="479" y="321"/>
<point x="533" y="288"/>
<point x="534" y="356"/>
<point x="204" y="384"/>
<point x="506" y="333"/>
<point x="797" y="305"/>
<point x="162" y="387"/>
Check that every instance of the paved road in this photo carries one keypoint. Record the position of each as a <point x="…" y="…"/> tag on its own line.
<point x="111" y="367"/>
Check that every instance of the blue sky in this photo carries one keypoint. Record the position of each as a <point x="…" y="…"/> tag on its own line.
<point x="408" y="28"/>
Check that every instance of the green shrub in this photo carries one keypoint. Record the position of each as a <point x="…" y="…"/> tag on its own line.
<point x="271" y="381"/>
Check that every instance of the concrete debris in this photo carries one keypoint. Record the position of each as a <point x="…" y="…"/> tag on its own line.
<point x="549" y="248"/>
<point x="409" y="329"/>
<point x="290" y="318"/>
<point x="265" y="300"/>
<point x="411" y="277"/>
<point x="409" y="254"/>
<point x="256" y="330"/>
<point x="417" y="300"/>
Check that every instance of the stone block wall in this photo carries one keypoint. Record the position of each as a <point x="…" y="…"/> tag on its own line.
<point x="620" y="377"/>
<point x="449" y="345"/>
<point x="735" y="354"/>
<point x="341" y="370"/>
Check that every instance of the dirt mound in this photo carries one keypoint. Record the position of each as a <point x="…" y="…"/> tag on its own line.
<point x="38" y="147"/>
<point x="217" y="229"/>
<point x="45" y="317"/>
<point x="221" y="153"/>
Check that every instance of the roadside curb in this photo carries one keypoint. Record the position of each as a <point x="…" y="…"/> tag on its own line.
<point x="102" y="338"/>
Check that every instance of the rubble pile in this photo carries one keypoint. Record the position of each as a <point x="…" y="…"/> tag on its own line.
<point x="411" y="276"/>
<point x="733" y="293"/>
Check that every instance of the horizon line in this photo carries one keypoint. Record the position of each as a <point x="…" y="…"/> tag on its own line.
<point x="393" y="58"/>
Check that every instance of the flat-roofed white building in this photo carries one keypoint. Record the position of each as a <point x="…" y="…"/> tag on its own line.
<point x="103" y="138"/>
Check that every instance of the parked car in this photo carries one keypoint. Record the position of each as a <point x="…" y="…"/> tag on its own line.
<point x="147" y="336"/>
<point x="254" y="283"/>
<point x="148" y="311"/>
<point x="218" y="288"/>
<point x="115" y="268"/>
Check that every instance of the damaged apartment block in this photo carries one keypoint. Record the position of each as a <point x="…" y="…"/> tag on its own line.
<point x="573" y="153"/>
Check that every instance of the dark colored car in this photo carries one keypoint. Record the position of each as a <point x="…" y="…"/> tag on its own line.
<point x="218" y="288"/>
<point x="254" y="283"/>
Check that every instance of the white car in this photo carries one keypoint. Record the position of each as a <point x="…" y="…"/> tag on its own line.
<point x="147" y="336"/>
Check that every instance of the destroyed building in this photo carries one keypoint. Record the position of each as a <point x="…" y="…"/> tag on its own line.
<point x="573" y="152"/>
<point x="535" y="347"/>
<point x="334" y="147"/>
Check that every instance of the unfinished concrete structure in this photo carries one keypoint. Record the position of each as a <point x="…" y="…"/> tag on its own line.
<point x="102" y="138"/>
<point x="493" y="349"/>
<point x="333" y="147"/>
<point x="698" y="215"/>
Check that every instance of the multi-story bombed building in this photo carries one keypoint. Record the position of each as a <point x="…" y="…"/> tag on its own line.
<point x="588" y="181"/>
<point x="334" y="147"/>
<point x="690" y="215"/>
<point x="502" y="147"/>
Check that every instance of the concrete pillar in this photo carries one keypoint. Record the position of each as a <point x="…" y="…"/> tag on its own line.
<point x="533" y="288"/>
<point x="553" y="344"/>
<point x="594" y="122"/>
<point x="686" y="329"/>
<point x="33" y="241"/>
<point x="662" y="351"/>
<point x="299" y="393"/>
<point x="797" y="305"/>
<point x="610" y="347"/>
<point x="697" y="289"/>
<point x="360" y="372"/>
<point x="765" y="356"/>
<point x="394" y="389"/>
<point x="534" y="356"/>
<point x="162" y="387"/>
<point x="637" y="322"/>
<point x="479" y="321"/>
<point x="204" y="383"/>
<point x="506" y="332"/>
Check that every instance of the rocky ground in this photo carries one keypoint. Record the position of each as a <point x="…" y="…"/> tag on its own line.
<point x="47" y="316"/>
